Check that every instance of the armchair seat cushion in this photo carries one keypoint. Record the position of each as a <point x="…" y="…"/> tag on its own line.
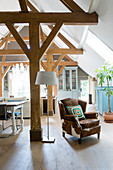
<point x="89" y="123"/>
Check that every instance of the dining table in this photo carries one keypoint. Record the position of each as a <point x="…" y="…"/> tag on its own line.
<point x="14" y="106"/>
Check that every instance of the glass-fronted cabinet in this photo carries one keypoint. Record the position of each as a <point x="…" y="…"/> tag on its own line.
<point x="70" y="78"/>
<point x="68" y="83"/>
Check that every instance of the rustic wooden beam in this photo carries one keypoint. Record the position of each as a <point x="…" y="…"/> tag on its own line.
<point x="34" y="28"/>
<point x="36" y="131"/>
<point x="67" y="57"/>
<point x="11" y="51"/>
<point x="50" y="51"/>
<point x="67" y="63"/>
<point x="18" y="38"/>
<point x="13" y="63"/>
<point x="42" y="37"/>
<point x="25" y="38"/>
<point x="64" y="51"/>
<point x="1" y="80"/>
<point x="49" y="39"/>
<point x="65" y="40"/>
<point x="71" y="5"/>
<point x="4" y="56"/>
<point x="23" y="5"/>
<point x="31" y="7"/>
<point x="50" y="97"/>
<point x="5" y="72"/>
<point x="58" y="61"/>
<point x="3" y="40"/>
<point x="43" y="65"/>
<point x="61" y="70"/>
<point x="55" y="86"/>
<point x="66" y="18"/>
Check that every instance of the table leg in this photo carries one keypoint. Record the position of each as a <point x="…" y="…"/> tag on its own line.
<point x="22" y="120"/>
<point x="13" y="124"/>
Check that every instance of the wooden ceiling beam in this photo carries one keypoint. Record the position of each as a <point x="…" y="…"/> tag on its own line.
<point x="66" y="18"/>
<point x="23" y="5"/>
<point x="61" y="70"/>
<point x="50" y="51"/>
<point x="69" y="44"/>
<point x="3" y="40"/>
<point x="11" y="52"/>
<point x="18" y="38"/>
<point x="13" y="63"/>
<point x="71" y="5"/>
<point x="64" y="51"/>
<point x="32" y="7"/>
<point x="25" y="38"/>
<point x="49" y="39"/>
<point x="43" y="65"/>
<point x="67" y="57"/>
<point x="4" y="56"/>
<point x="42" y="36"/>
<point x="67" y="63"/>
<point x="58" y="61"/>
<point x="5" y="72"/>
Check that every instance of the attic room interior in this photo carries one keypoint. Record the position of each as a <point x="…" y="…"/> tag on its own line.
<point x="56" y="87"/>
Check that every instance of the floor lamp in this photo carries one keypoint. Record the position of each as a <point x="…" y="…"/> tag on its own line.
<point x="47" y="78"/>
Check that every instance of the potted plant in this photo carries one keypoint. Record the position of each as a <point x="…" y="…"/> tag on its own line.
<point x="105" y="74"/>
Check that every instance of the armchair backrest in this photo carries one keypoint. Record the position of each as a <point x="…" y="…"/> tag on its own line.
<point x="83" y="104"/>
<point x="62" y="110"/>
<point x="70" y="102"/>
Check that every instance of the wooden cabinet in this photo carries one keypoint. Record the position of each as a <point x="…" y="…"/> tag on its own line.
<point x="102" y="100"/>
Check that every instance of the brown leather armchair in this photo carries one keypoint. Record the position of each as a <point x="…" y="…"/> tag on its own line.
<point x="78" y="127"/>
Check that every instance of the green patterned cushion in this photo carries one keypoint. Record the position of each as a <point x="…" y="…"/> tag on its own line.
<point x="77" y="110"/>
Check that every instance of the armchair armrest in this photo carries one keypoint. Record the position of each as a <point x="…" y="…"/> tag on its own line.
<point x="70" y="117"/>
<point x="73" y="119"/>
<point x="91" y="115"/>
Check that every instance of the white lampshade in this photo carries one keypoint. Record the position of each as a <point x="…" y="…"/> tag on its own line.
<point x="46" y="77"/>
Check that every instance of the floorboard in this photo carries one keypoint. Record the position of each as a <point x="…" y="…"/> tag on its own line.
<point x="18" y="153"/>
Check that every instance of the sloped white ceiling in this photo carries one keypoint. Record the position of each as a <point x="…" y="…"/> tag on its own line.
<point x="9" y="5"/>
<point x="90" y="60"/>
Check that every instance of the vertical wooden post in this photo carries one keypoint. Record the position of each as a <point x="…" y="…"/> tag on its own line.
<point x="1" y="86"/>
<point x="50" y="97"/>
<point x="55" y="86"/>
<point x="36" y="131"/>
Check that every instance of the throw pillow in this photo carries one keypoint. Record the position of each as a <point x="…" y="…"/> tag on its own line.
<point x="77" y="110"/>
<point x="69" y="102"/>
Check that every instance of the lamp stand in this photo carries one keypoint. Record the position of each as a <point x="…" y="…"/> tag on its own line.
<point x="48" y="139"/>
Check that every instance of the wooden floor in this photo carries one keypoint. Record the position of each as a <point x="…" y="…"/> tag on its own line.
<point x="18" y="153"/>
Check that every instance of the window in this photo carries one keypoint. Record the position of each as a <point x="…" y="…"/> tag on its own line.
<point x="19" y="81"/>
<point x="97" y="45"/>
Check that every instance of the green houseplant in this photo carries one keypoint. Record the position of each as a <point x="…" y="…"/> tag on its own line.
<point x="105" y="74"/>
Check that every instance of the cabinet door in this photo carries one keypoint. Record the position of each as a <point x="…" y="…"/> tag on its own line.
<point x="67" y="76"/>
<point x="61" y="81"/>
<point x="74" y="80"/>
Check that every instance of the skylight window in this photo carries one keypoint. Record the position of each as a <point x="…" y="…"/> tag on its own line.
<point x="97" y="45"/>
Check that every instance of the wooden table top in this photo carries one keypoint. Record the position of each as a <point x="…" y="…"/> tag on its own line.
<point x="12" y="103"/>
